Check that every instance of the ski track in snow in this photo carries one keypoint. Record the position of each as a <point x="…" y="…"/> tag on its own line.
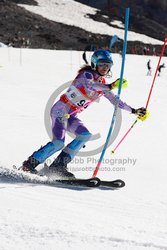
<point x="37" y="216"/>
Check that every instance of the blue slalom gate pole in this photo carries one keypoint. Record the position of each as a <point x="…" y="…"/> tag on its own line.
<point x="118" y="95"/>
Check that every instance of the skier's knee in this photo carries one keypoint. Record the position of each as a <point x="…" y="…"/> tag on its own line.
<point x="84" y="136"/>
<point x="73" y="148"/>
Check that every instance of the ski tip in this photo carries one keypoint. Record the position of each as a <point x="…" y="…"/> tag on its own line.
<point x="119" y="183"/>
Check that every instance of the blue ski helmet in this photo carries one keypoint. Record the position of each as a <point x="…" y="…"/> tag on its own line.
<point x="101" y="55"/>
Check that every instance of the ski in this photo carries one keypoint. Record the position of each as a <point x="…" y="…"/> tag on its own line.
<point x="112" y="184"/>
<point x="92" y="182"/>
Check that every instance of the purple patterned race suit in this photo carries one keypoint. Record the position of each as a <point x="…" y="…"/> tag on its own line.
<point x="86" y="87"/>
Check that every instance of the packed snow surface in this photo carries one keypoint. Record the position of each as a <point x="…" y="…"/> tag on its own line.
<point x="36" y="216"/>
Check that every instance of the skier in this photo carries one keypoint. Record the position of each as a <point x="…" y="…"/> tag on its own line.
<point x="86" y="87"/>
<point x="149" y="68"/>
<point x="160" y="67"/>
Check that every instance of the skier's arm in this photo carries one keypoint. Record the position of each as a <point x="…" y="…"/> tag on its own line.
<point x="87" y="80"/>
<point x="142" y="113"/>
<point x="110" y="86"/>
<point x="96" y="86"/>
<point x="112" y="98"/>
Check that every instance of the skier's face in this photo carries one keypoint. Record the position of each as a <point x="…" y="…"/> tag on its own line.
<point x="103" y="68"/>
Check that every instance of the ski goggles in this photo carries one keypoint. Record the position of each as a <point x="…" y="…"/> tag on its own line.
<point x="105" y="64"/>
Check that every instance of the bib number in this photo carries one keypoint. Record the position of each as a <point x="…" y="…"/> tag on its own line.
<point x="76" y="97"/>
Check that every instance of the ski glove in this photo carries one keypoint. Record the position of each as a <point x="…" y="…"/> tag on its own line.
<point x="115" y="84"/>
<point x="142" y="113"/>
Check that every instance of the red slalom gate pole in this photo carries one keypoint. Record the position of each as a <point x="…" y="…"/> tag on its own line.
<point x="148" y="99"/>
<point x="160" y="57"/>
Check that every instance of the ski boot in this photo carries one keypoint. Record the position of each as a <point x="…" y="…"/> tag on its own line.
<point x="30" y="165"/>
<point x="59" y="166"/>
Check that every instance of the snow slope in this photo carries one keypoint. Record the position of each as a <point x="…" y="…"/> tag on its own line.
<point x="76" y="14"/>
<point x="37" y="216"/>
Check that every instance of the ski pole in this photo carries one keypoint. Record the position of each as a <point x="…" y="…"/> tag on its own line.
<point x="160" y="57"/>
<point x="118" y="96"/>
<point x="113" y="151"/>
<point x="85" y="105"/>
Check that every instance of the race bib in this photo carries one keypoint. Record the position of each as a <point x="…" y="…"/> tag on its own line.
<point x="76" y="97"/>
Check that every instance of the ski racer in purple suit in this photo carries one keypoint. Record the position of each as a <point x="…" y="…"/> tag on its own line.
<point x="88" y="85"/>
